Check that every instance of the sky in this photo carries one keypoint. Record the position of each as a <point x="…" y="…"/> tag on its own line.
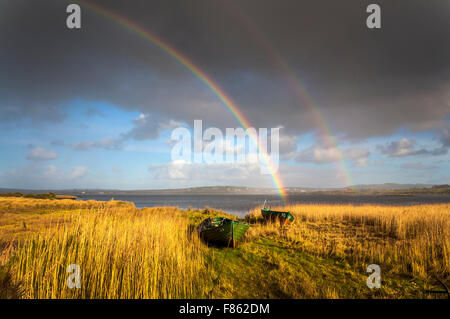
<point x="95" y="107"/>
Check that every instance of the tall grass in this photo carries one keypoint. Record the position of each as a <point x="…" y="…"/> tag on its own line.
<point x="122" y="252"/>
<point x="405" y="239"/>
<point x="20" y="204"/>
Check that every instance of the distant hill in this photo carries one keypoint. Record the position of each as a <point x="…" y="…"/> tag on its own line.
<point x="192" y="190"/>
<point x="390" y="186"/>
<point x="366" y="188"/>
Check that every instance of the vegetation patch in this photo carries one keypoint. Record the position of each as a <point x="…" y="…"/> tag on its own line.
<point x="124" y="252"/>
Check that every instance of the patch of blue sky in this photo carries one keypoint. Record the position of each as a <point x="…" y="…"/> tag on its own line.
<point x="12" y="156"/>
<point x="96" y="120"/>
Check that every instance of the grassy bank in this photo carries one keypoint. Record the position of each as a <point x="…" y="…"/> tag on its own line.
<point x="38" y="196"/>
<point x="125" y="252"/>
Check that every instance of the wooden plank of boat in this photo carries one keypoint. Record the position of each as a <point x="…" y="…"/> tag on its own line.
<point x="284" y="217"/>
<point x="222" y="230"/>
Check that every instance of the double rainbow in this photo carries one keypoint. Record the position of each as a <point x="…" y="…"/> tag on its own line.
<point x="296" y="85"/>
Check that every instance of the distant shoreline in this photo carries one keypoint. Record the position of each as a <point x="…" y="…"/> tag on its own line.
<point x="378" y="189"/>
<point x="241" y="204"/>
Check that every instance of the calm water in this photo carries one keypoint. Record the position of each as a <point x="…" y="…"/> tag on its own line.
<point x="241" y="204"/>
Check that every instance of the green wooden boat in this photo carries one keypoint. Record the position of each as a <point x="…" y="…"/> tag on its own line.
<point x="283" y="217"/>
<point x="222" y="230"/>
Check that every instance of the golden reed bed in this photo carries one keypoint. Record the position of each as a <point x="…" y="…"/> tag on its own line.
<point x="408" y="239"/>
<point x="129" y="253"/>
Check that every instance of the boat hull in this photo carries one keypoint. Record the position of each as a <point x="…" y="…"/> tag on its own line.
<point x="272" y="215"/>
<point x="228" y="233"/>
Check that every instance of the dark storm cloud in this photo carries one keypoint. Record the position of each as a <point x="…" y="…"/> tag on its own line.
<point x="365" y="82"/>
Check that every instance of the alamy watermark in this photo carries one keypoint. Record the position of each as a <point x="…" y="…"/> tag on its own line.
<point x="74" y="279"/>
<point x="249" y="146"/>
<point x="374" y="280"/>
<point x="73" y="20"/>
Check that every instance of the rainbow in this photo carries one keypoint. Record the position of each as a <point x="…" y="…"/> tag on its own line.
<point x="295" y="84"/>
<point x="214" y="87"/>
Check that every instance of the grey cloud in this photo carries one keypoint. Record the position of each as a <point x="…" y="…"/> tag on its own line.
<point x="437" y="151"/>
<point x="212" y="174"/>
<point x="239" y="174"/>
<point x="147" y="127"/>
<point x="40" y="153"/>
<point x="407" y="147"/>
<point x="403" y="147"/>
<point x="38" y="176"/>
<point x="444" y="137"/>
<point x="325" y="154"/>
<point x="287" y="146"/>
<point x="365" y="82"/>
<point x="108" y="143"/>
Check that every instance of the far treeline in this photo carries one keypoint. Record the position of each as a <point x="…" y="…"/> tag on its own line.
<point x="48" y="195"/>
<point x="435" y="189"/>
